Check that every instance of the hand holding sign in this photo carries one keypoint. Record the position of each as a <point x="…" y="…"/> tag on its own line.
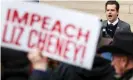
<point x="38" y="61"/>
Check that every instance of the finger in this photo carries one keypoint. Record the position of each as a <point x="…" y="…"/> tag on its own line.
<point x="33" y="54"/>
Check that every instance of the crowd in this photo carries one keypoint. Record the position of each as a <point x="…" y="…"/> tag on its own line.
<point x="113" y="60"/>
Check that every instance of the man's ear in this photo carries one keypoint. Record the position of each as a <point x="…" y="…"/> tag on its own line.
<point x="117" y="13"/>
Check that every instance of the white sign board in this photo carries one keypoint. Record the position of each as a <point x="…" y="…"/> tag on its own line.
<point x="64" y="35"/>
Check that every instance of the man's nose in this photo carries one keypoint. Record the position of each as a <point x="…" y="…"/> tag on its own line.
<point x="110" y="12"/>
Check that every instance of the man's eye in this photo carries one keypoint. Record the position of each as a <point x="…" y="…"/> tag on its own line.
<point x="112" y="10"/>
<point x="107" y="10"/>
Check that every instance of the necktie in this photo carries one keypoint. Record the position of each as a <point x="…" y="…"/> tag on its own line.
<point x="110" y="30"/>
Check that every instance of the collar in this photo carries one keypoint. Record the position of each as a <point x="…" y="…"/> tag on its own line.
<point x="115" y="22"/>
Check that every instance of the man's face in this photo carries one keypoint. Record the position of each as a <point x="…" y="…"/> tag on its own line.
<point x="111" y="12"/>
<point x="119" y="63"/>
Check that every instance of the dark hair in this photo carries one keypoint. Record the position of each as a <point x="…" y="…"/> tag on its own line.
<point x="113" y="2"/>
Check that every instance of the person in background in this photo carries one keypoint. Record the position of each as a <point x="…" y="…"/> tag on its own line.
<point x="113" y="24"/>
<point x="122" y="54"/>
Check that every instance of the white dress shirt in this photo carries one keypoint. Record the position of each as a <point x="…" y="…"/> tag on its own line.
<point x="115" y="22"/>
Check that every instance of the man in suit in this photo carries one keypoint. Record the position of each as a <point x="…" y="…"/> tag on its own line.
<point x="113" y="24"/>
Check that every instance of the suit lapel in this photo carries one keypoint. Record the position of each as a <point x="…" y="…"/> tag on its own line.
<point x="118" y="26"/>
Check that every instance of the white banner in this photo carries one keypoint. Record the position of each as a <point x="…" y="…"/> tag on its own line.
<point x="62" y="34"/>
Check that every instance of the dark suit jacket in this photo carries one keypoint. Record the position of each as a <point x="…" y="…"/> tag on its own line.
<point x="122" y="26"/>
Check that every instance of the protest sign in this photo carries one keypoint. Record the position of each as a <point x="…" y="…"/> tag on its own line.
<point x="61" y="34"/>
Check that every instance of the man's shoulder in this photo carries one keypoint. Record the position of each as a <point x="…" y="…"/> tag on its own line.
<point x="124" y="23"/>
<point x="104" y="21"/>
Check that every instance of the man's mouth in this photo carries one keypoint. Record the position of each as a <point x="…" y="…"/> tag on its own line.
<point x="109" y="15"/>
